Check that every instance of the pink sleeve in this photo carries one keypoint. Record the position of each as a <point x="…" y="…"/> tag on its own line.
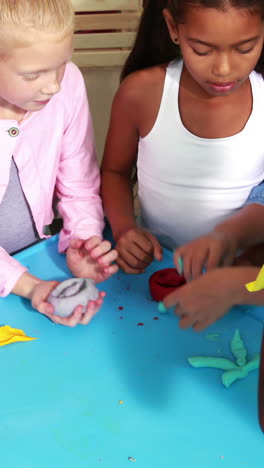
<point x="78" y="180"/>
<point x="10" y="272"/>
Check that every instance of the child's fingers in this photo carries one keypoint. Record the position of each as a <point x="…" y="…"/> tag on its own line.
<point x="110" y="270"/>
<point x="107" y="258"/>
<point x="187" y="267"/>
<point x="93" y="242"/>
<point x="91" y="309"/>
<point x="198" y="260"/>
<point x="76" y="244"/>
<point x="137" y="256"/>
<point x="215" y="256"/>
<point x="178" y="261"/>
<point x="78" y="315"/>
<point x="95" y="247"/>
<point x="102" y="294"/>
<point x="186" y="321"/>
<point x="73" y="319"/>
<point x="200" y="326"/>
<point x="45" y="308"/>
<point x="156" y="246"/>
<point x="134" y="257"/>
<point x="173" y="299"/>
<point x="229" y="257"/>
<point x="40" y="294"/>
<point x="128" y="268"/>
<point x="141" y="239"/>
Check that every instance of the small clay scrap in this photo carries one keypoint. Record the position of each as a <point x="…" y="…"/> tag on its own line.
<point x="71" y="293"/>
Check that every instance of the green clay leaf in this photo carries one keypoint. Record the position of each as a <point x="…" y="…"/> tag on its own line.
<point x="216" y="362"/>
<point x="238" y="349"/>
<point x="231" y="376"/>
<point x="253" y="364"/>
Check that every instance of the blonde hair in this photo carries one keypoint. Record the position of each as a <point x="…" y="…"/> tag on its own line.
<point x="21" y="19"/>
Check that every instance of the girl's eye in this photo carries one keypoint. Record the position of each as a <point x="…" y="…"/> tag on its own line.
<point x="245" y="51"/>
<point x="197" y="52"/>
<point x="31" y="76"/>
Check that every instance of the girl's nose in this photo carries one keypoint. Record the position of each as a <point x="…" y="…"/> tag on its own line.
<point x="222" y="66"/>
<point x="52" y="86"/>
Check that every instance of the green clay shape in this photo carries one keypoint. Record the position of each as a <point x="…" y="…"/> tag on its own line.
<point x="180" y="265"/>
<point x="254" y="363"/>
<point x="216" y="362"/>
<point x="213" y="336"/>
<point x="233" y="371"/>
<point x="231" y="376"/>
<point x="238" y="349"/>
<point x="162" y="309"/>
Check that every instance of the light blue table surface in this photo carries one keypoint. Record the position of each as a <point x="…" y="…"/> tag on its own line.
<point x="61" y="394"/>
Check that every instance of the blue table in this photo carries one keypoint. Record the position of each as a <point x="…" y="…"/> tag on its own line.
<point x="122" y="387"/>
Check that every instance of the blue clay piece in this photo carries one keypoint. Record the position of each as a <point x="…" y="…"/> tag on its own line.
<point x="71" y="293"/>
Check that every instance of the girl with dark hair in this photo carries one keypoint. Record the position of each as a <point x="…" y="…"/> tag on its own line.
<point x="189" y="112"/>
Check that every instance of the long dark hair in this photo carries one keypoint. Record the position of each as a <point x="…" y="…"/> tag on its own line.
<point x="153" y="44"/>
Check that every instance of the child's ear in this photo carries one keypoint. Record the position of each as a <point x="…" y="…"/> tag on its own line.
<point x="171" y="25"/>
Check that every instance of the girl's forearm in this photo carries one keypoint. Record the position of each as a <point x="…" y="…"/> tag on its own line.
<point x="246" y="226"/>
<point x="25" y="285"/>
<point x="118" y="201"/>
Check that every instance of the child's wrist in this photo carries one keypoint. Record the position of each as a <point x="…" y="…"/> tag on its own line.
<point x="117" y="233"/>
<point x="25" y="285"/>
<point x="228" y="235"/>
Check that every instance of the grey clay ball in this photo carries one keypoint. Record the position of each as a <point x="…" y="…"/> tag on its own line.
<point x="71" y="293"/>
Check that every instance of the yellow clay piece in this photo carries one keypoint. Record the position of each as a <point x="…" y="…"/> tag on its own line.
<point x="258" y="284"/>
<point x="11" y="335"/>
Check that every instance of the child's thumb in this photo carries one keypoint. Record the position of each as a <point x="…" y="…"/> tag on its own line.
<point x="157" y="249"/>
<point x="171" y="299"/>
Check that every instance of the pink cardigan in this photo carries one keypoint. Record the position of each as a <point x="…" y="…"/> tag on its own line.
<point x="55" y="155"/>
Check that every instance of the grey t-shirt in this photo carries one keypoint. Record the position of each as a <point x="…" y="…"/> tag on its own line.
<point x="17" y="227"/>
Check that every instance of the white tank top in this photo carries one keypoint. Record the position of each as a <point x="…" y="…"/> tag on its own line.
<point x="188" y="184"/>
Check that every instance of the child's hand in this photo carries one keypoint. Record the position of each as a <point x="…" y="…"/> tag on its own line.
<point x="204" y="300"/>
<point x="136" y="249"/>
<point x="91" y="258"/>
<point x="210" y="251"/>
<point x="39" y="301"/>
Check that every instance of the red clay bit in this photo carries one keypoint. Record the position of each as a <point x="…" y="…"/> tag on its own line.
<point x="155" y="318"/>
<point x="140" y="324"/>
<point x="120" y="307"/>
